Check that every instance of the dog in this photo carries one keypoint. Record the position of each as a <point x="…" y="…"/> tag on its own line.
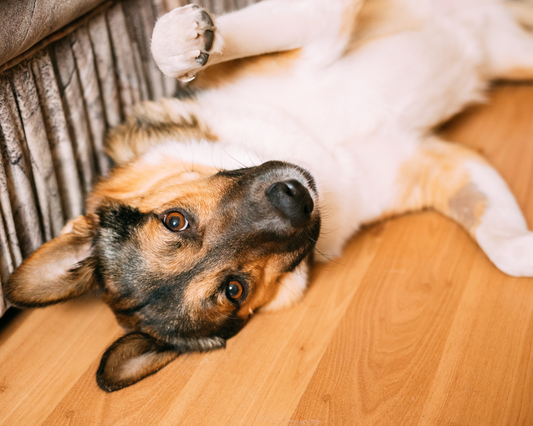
<point x="304" y="120"/>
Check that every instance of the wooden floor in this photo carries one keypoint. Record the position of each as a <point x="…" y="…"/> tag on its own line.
<point x="413" y="325"/>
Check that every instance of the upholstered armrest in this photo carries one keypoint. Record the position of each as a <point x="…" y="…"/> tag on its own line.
<point x="23" y="23"/>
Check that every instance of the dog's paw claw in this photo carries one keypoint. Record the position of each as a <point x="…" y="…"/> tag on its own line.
<point x="182" y="41"/>
<point x="202" y="58"/>
<point x="187" y="77"/>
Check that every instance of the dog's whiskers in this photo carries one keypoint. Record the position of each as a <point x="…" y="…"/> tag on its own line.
<point x="233" y="158"/>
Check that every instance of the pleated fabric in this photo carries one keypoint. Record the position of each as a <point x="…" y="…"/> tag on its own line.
<point x="56" y="106"/>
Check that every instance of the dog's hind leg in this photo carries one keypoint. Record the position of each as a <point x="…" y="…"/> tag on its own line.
<point x="459" y="183"/>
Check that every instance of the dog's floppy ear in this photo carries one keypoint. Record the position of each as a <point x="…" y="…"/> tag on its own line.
<point x="130" y="359"/>
<point x="60" y="270"/>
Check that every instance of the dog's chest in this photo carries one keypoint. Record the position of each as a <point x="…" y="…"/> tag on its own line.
<point x="347" y="101"/>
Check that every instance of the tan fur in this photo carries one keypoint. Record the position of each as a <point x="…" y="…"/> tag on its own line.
<point x="52" y="273"/>
<point x="144" y="186"/>
<point x="135" y="368"/>
<point x="227" y="72"/>
<point x="523" y="12"/>
<point x="289" y="289"/>
<point x="517" y="74"/>
<point x="350" y="16"/>
<point x="434" y="178"/>
<point x="153" y="123"/>
<point x="269" y="285"/>
<point x="380" y="18"/>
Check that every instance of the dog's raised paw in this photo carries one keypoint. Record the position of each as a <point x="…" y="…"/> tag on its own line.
<point x="182" y="41"/>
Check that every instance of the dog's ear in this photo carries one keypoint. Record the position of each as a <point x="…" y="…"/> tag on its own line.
<point x="130" y="359"/>
<point x="60" y="270"/>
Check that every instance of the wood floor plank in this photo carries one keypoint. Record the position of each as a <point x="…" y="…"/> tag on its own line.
<point x="86" y="404"/>
<point x="379" y="366"/>
<point x="480" y="380"/>
<point x="46" y="354"/>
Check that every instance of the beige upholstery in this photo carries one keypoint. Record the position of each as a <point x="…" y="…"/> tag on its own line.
<point x="23" y="23"/>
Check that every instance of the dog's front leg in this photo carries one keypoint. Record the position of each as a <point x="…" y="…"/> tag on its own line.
<point x="188" y="38"/>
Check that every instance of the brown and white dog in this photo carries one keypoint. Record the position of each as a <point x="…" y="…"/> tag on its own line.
<point x="320" y="123"/>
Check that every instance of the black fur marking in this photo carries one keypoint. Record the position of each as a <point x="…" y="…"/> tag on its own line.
<point x="164" y="126"/>
<point x="119" y="222"/>
<point x="240" y="173"/>
<point x="132" y="310"/>
<point x="231" y="327"/>
<point x="235" y="174"/>
<point x="185" y="92"/>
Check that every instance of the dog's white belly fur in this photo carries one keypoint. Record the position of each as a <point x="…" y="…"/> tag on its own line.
<point x="413" y="80"/>
<point x="341" y="120"/>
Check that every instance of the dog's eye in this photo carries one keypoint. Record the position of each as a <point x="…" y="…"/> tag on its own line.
<point x="175" y="221"/>
<point x="234" y="290"/>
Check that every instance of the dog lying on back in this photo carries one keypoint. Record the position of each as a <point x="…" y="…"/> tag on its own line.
<point x="307" y="119"/>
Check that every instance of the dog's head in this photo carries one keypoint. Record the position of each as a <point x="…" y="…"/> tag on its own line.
<point x="182" y="257"/>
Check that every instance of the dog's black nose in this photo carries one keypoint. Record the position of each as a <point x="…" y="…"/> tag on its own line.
<point x="293" y="200"/>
